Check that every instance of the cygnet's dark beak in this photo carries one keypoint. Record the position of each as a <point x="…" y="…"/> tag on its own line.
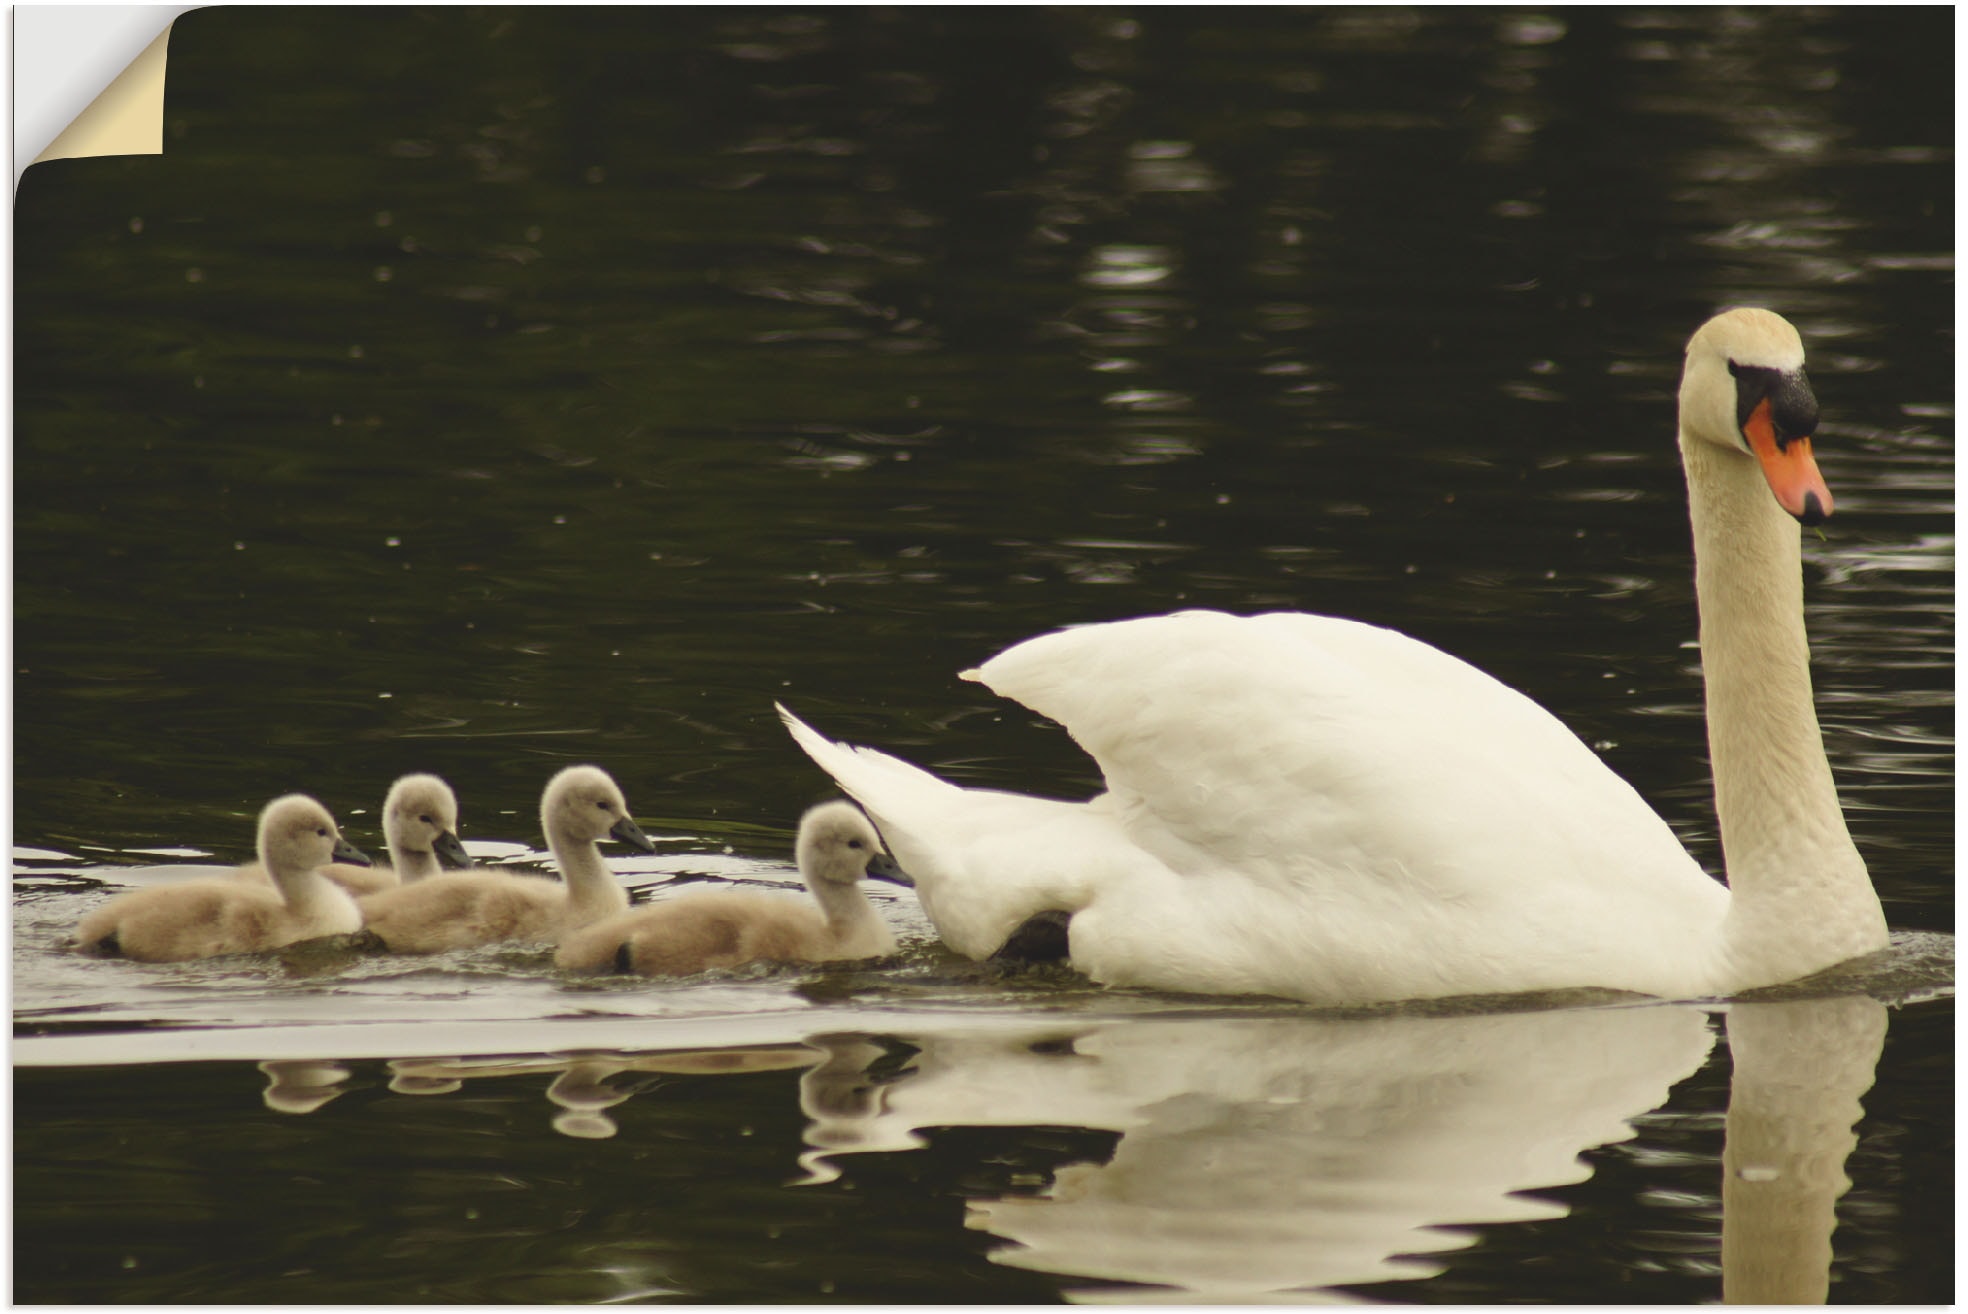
<point x="881" y="867"/>
<point x="448" y="849"/>
<point x="354" y="857"/>
<point x="631" y="834"/>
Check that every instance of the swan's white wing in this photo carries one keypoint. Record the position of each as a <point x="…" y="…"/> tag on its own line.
<point x="1309" y="752"/>
<point x="1300" y="806"/>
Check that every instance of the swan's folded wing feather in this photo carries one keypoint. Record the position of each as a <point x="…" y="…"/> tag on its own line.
<point x="1305" y="750"/>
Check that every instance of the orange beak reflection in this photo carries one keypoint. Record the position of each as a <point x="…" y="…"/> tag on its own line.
<point x="1791" y="470"/>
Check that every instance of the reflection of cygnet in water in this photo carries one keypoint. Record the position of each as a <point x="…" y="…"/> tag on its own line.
<point x="301" y="1085"/>
<point x="1800" y="1068"/>
<point x="729" y="928"/>
<point x="420" y="825"/>
<point x="416" y="1083"/>
<point x="846" y="1094"/>
<point x="206" y="918"/>
<point x="582" y="1091"/>
<point x="461" y="910"/>
<point x="583" y="1084"/>
<point x="1265" y="1156"/>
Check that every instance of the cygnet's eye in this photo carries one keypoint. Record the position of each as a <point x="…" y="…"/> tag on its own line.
<point x="854" y="844"/>
<point x="425" y="818"/>
<point x="321" y="831"/>
<point x="604" y="805"/>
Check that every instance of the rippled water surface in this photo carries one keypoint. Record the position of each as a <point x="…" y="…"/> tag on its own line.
<point x="478" y="391"/>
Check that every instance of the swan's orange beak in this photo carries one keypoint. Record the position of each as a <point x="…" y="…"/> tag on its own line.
<point x="1790" y="469"/>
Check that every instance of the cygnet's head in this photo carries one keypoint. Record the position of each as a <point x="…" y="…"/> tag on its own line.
<point x="420" y="815"/>
<point x="836" y="842"/>
<point x="1743" y="388"/>
<point x="298" y="834"/>
<point x="582" y="803"/>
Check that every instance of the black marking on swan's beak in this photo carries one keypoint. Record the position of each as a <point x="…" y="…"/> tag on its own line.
<point x="631" y="834"/>
<point x="354" y="857"/>
<point x="1775" y="414"/>
<point x="1793" y="406"/>
<point x="450" y="849"/>
<point x="881" y="867"/>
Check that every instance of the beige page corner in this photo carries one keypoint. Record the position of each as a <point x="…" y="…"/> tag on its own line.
<point x="127" y="118"/>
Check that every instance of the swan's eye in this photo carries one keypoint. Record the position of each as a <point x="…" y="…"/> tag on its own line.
<point x="605" y="805"/>
<point x="321" y="831"/>
<point x="855" y="844"/>
<point x="425" y="819"/>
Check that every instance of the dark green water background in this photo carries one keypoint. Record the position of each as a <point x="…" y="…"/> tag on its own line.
<point x="479" y="390"/>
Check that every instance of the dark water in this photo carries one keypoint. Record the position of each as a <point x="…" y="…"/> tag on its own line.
<point x="1302" y="1152"/>
<point x="482" y="390"/>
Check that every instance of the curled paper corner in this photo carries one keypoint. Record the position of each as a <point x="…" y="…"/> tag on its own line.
<point x="127" y="118"/>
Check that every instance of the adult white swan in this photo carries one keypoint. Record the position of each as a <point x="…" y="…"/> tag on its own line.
<point x="1310" y="807"/>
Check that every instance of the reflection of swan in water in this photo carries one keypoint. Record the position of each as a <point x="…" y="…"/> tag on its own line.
<point x="1262" y="1156"/>
<point x="1801" y="1067"/>
<point x="1269" y="1158"/>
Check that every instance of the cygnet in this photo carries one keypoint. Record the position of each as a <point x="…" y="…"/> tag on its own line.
<point x="222" y="915"/>
<point x="726" y="928"/>
<point x="460" y="910"/>
<point x="420" y="825"/>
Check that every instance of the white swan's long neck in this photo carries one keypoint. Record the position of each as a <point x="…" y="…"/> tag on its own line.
<point x="1800" y="896"/>
<point x="592" y="890"/>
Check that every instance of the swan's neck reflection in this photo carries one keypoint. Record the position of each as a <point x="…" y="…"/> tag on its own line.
<point x="1801" y="1068"/>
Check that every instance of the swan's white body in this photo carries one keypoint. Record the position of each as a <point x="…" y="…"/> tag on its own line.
<point x="1316" y="808"/>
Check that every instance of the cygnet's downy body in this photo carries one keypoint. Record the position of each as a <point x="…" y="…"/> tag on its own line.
<point x="420" y="826"/>
<point x="728" y="928"/>
<point x="222" y="915"/>
<point x="461" y="910"/>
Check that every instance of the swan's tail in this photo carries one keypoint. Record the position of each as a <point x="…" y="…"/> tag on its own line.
<point x="897" y="794"/>
<point x="987" y="860"/>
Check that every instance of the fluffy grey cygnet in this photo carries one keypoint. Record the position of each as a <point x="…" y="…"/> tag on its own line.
<point x="223" y="915"/>
<point x="728" y="928"/>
